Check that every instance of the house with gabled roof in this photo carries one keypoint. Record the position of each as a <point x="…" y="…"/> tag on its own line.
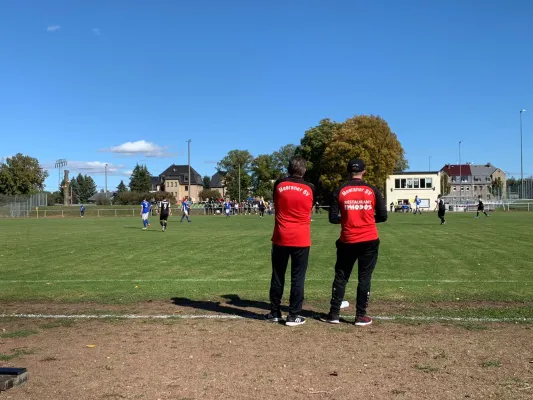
<point x="175" y="180"/>
<point x="468" y="181"/>
<point x="218" y="183"/>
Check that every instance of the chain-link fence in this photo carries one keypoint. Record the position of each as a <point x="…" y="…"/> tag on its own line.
<point x="21" y="206"/>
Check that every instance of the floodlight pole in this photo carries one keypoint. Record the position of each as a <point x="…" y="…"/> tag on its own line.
<point x="521" y="157"/>
<point x="189" y="162"/>
<point x="460" y="176"/>
<point x="105" y="169"/>
<point x="429" y="163"/>
<point x="239" y="183"/>
<point x="59" y="164"/>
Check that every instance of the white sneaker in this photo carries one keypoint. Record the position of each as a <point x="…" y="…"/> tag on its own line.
<point x="345" y="304"/>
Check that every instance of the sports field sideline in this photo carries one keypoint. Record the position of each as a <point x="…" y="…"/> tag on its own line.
<point x="474" y="268"/>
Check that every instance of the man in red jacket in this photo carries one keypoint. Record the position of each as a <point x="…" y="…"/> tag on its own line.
<point x="357" y="206"/>
<point x="293" y="202"/>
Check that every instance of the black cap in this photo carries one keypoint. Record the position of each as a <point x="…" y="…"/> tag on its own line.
<point x="356" y="165"/>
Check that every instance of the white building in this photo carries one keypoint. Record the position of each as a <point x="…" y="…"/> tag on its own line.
<point x="402" y="187"/>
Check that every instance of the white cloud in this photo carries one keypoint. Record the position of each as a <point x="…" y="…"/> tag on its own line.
<point x="96" y="31"/>
<point x="141" y="147"/>
<point x="53" y="28"/>
<point x="127" y="172"/>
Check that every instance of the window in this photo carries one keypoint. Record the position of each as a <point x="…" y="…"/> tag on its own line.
<point x="475" y="188"/>
<point x="462" y="189"/>
<point x="186" y="188"/>
<point x="455" y="179"/>
<point x="464" y="179"/>
<point x="416" y="183"/>
<point x="422" y="183"/>
<point x="477" y="179"/>
<point x="396" y="183"/>
<point x="409" y="183"/>
<point x="404" y="183"/>
<point x="487" y="179"/>
<point x="429" y="183"/>
<point x="455" y="188"/>
<point x="468" y="188"/>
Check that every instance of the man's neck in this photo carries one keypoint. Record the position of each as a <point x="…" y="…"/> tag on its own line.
<point x="295" y="176"/>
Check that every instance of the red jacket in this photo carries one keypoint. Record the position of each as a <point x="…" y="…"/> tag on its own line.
<point x="357" y="206"/>
<point x="293" y="204"/>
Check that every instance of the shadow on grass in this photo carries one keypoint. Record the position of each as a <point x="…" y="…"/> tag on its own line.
<point x="140" y="229"/>
<point x="235" y="306"/>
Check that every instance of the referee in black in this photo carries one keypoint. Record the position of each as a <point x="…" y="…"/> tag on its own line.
<point x="481" y="207"/>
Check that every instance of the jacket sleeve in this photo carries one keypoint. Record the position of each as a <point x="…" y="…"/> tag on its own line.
<point x="334" y="211"/>
<point x="380" y="207"/>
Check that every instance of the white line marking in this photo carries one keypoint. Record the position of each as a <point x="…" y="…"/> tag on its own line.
<point x="141" y="280"/>
<point x="233" y="317"/>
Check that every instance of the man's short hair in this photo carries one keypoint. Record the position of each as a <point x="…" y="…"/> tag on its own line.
<point x="297" y="166"/>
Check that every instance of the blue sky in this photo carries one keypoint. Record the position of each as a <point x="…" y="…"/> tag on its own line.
<point x="81" y="80"/>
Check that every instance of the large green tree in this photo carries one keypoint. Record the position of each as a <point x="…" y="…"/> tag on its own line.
<point x="84" y="187"/>
<point x="265" y="171"/>
<point x="21" y="175"/>
<point x="140" y="179"/>
<point x="367" y="137"/>
<point x="230" y="165"/>
<point x="206" y="181"/>
<point x="281" y="158"/>
<point x="445" y="185"/>
<point x="312" y="147"/>
<point x="121" y="188"/>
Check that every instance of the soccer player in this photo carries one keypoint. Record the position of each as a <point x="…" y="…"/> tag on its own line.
<point x="145" y="212"/>
<point x="481" y="207"/>
<point x="262" y="207"/>
<point x="442" y="209"/>
<point x="164" y="212"/>
<point x="82" y="211"/>
<point x="357" y="206"/>
<point x="293" y="201"/>
<point x="417" y="205"/>
<point x="227" y="208"/>
<point x="185" y="209"/>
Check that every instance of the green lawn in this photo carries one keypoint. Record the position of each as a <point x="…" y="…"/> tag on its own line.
<point x="111" y="260"/>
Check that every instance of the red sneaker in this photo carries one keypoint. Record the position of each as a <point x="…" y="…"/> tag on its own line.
<point x="363" y="321"/>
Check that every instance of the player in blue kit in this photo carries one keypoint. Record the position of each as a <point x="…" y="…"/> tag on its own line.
<point x="145" y="212"/>
<point x="417" y="205"/>
<point x="185" y="209"/>
<point x="227" y="208"/>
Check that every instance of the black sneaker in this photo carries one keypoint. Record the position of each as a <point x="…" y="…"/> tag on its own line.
<point x="330" y="319"/>
<point x="294" y="320"/>
<point x="273" y="317"/>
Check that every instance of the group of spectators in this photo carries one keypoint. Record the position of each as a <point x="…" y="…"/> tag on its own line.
<point x="252" y="205"/>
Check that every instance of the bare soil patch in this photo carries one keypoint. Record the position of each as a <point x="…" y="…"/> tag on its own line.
<point x="250" y="359"/>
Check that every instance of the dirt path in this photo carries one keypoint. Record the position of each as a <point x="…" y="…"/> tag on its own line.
<point x="249" y="359"/>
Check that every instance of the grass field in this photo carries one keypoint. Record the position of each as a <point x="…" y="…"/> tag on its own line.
<point x="468" y="267"/>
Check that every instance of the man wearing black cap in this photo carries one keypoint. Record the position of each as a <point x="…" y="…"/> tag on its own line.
<point x="357" y="206"/>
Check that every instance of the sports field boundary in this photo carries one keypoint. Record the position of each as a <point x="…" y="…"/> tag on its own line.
<point x="392" y="318"/>
<point x="141" y="280"/>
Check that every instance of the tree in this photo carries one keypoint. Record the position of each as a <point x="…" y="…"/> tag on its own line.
<point x="281" y="158"/>
<point x="122" y="187"/>
<point x="230" y="165"/>
<point x="206" y="181"/>
<point x="209" y="194"/>
<point x="364" y="136"/>
<point x="86" y="188"/>
<point x="140" y="179"/>
<point x="401" y="165"/>
<point x="445" y="186"/>
<point x="21" y="175"/>
<point x="312" y="147"/>
<point x="265" y="171"/>
<point x="496" y="188"/>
